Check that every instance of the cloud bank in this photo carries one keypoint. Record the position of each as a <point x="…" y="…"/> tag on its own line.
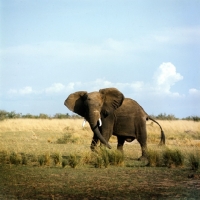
<point x="162" y="81"/>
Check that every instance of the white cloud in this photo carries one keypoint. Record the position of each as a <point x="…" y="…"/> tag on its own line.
<point x="194" y="91"/>
<point x="24" y="91"/>
<point x="55" y="88"/>
<point x="179" y="35"/>
<point x="165" y="77"/>
<point x="59" y="87"/>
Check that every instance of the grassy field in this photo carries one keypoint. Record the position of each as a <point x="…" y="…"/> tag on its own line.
<point x="51" y="159"/>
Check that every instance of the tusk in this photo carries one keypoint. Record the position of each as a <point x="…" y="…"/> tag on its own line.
<point x="84" y="122"/>
<point x="100" y="122"/>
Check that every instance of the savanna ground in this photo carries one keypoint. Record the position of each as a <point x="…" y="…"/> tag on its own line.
<point x="35" y="163"/>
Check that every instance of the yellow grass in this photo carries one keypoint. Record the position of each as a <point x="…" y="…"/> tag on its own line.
<point x="41" y="134"/>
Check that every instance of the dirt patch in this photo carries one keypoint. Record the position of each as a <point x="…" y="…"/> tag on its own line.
<point x="25" y="182"/>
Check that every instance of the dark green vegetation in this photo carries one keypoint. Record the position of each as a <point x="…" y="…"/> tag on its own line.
<point x="13" y="115"/>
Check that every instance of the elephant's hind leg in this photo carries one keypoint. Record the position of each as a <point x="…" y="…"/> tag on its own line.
<point x="142" y="139"/>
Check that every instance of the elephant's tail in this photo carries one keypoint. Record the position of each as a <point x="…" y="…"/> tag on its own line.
<point x="162" y="140"/>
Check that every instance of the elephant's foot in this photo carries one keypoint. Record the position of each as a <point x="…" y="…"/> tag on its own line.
<point x="143" y="159"/>
<point x="93" y="147"/>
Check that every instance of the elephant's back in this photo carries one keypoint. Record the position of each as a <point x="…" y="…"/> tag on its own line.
<point x="131" y="107"/>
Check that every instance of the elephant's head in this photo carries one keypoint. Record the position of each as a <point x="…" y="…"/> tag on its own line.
<point x="91" y="105"/>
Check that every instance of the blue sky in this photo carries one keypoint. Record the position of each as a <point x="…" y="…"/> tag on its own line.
<point x="149" y="50"/>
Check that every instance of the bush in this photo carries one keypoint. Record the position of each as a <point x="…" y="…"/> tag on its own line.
<point x="194" y="161"/>
<point x="64" y="162"/>
<point x="154" y="158"/>
<point x="105" y="157"/>
<point x="44" y="159"/>
<point x="116" y="157"/>
<point x="67" y="138"/>
<point x="173" y="158"/>
<point x="57" y="158"/>
<point x="3" y="156"/>
<point x="73" y="160"/>
<point x="15" y="158"/>
<point x="24" y="159"/>
<point x="98" y="162"/>
<point x="41" y="160"/>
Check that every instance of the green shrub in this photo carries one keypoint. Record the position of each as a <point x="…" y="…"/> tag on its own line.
<point x="15" y="158"/>
<point x="57" y="158"/>
<point x="173" y="158"/>
<point x="98" y="162"/>
<point x="3" y="156"/>
<point x="24" y="159"/>
<point x="105" y="157"/>
<point x="154" y="158"/>
<point x="44" y="159"/>
<point x="41" y="160"/>
<point x="67" y="138"/>
<point x="64" y="162"/>
<point x="116" y="157"/>
<point x="194" y="160"/>
<point x="73" y="160"/>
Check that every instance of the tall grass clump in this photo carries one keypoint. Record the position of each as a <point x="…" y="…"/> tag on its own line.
<point x="15" y="158"/>
<point x="173" y="158"/>
<point x="73" y="160"/>
<point x="154" y="158"/>
<point x="194" y="160"/>
<point x="106" y="157"/>
<point x="116" y="157"/>
<point x="67" y="138"/>
<point x="24" y="159"/>
<point x="57" y="158"/>
<point x="3" y="157"/>
<point x="64" y="162"/>
<point x="44" y="159"/>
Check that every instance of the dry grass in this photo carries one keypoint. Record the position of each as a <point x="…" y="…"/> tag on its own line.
<point x="177" y="132"/>
<point x="39" y="134"/>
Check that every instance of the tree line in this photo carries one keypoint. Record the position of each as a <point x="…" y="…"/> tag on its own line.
<point x="13" y="115"/>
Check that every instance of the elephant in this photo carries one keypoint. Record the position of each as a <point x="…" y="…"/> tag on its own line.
<point x="109" y="113"/>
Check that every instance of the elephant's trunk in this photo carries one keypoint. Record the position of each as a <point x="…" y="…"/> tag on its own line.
<point x="101" y="138"/>
<point x="95" y="121"/>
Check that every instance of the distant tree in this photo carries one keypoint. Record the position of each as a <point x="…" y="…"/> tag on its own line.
<point x="28" y="115"/>
<point x="13" y="114"/>
<point x="43" y="116"/>
<point x="3" y="114"/>
<point x="164" y="116"/>
<point x="192" y="118"/>
<point x="61" y="116"/>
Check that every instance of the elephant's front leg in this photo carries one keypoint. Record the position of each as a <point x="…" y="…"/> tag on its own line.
<point x="120" y="143"/>
<point x="95" y="140"/>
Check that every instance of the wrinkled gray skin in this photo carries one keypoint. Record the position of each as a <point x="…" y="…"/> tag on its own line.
<point x="122" y="117"/>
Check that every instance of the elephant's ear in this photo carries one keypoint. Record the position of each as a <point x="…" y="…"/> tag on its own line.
<point x="113" y="98"/>
<point x="75" y="102"/>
